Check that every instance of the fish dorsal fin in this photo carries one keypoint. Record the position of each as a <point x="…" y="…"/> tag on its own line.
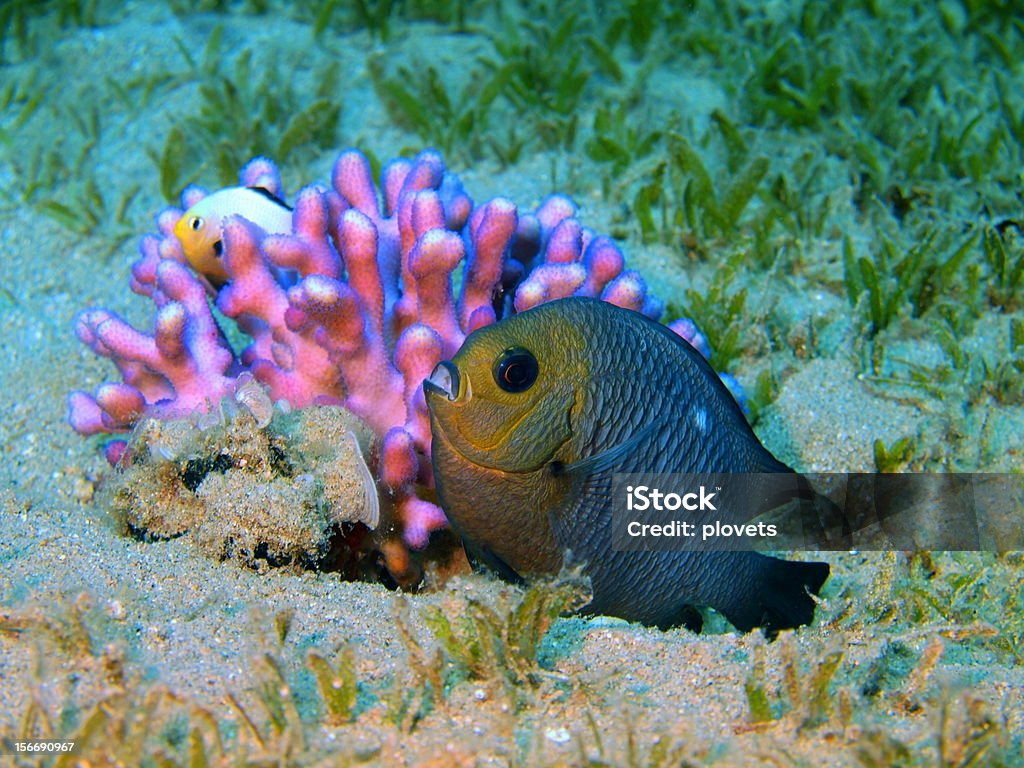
<point x="270" y="196"/>
<point x="605" y="460"/>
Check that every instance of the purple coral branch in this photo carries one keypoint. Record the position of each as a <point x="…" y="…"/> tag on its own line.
<point x="185" y="365"/>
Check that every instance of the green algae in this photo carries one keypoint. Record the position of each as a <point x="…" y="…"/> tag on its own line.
<point x="500" y="643"/>
<point x="803" y="686"/>
<point x="879" y="167"/>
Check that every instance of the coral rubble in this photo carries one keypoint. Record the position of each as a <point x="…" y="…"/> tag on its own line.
<point x="280" y="493"/>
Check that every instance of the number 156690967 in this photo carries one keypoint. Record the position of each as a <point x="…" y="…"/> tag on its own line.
<point x="22" y="746"/>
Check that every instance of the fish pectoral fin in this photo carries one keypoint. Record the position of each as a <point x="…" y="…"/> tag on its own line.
<point x="484" y="556"/>
<point x="607" y="459"/>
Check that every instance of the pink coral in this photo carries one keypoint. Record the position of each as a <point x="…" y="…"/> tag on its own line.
<point x="354" y="307"/>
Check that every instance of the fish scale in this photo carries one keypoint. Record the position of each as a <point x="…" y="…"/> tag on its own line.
<point x="611" y="392"/>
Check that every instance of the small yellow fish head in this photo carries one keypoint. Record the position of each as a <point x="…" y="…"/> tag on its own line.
<point x="199" y="232"/>
<point x="505" y="401"/>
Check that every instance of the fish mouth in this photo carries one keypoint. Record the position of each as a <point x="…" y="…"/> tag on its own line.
<point x="443" y="380"/>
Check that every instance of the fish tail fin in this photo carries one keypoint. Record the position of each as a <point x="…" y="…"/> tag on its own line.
<point x="781" y="597"/>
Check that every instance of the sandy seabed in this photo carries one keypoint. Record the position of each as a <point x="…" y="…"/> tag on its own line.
<point x="174" y="648"/>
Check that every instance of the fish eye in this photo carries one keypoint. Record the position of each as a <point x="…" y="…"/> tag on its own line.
<point x="196" y="223"/>
<point x="515" y="370"/>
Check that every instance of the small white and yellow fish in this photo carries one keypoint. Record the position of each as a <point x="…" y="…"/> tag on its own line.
<point x="200" y="228"/>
